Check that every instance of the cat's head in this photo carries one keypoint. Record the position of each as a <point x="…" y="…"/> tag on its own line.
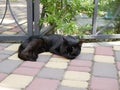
<point x="72" y="47"/>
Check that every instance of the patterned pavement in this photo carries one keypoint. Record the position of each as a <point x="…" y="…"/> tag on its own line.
<point x="96" y="68"/>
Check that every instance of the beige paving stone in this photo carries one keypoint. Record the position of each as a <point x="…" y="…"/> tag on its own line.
<point x="7" y="88"/>
<point x="59" y="60"/>
<point x="13" y="47"/>
<point x="16" y="81"/>
<point x="57" y="65"/>
<point x="14" y="57"/>
<point x="105" y="59"/>
<point x="119" y="73"/>
<point x="76" y="84"/>
<point x="87" y="50"/>
<point x="9" y="33"/>
<point x="79" y="76"/>
<point x="117" y="48"/>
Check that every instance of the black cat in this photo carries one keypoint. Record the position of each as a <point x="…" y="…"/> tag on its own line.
<point x="66" y="46"/>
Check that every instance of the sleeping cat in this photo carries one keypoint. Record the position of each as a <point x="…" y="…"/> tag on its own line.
<point x="66" y="46"/>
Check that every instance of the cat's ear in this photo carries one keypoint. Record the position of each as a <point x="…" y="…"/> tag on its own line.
<point x="81" y="42"/>
<point x="65" y="40"/>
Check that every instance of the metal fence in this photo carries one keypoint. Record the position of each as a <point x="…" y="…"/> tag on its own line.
<point x="33" y="11"/>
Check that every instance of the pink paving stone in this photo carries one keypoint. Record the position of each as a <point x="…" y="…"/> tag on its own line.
<point x="43" y="84"/>
<point x="2" y="76"/>
<point x="104" y="84"/>
<point x="33" y="64"/>
<point x="26" y="71"/>
<point x="15" y="30"/>
<point x="81" y="63"/>
<point x="80" y="69"/>
<point x="118" y="65"/>
<point x="104" y="50"/>
<point x="1" y="48"/>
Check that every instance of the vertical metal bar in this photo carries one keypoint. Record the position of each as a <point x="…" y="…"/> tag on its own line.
<point x="36" y="16"/>
<point x="29" y="17"/>
<point x="94" y="19"/>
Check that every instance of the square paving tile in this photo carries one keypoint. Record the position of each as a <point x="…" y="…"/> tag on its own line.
<point x="1" y="47"/>
<point x="33" y="64"/>
<point x="87" y="50"/>
<point x="43" y="84"/>
<point x="104" y="70"/>
<point x="16" y="81"/>
<point x="2" y="76"/>
<point x="13" y="47"/>
<point x="43" y="58"/>
<point x="85" y="56"/>
<point x="98" y="83"/>
<point x="104" y="59"/>
<point x="117" y="55"/>
<point x="3" y="56"/>
<point x="26" y="71"/>
<point x="57" y="65"/>
<point x="59" y="60"/>
<point x="117" y="48"/>
<point x="118" y="65"/>
<point x="70" y="88"/>
<point x="7" y="88"/>
<point x="8" y="66"/>
<point x="74" y="75"/>
<point x="14" y="57"/>
<point x="74" y="83"/>
<point x="81" y="63"/>
<point x="103" y="50"/>
<point x="79" y="69"/>
<point x="7" y="52"/>
<point x="51" y="73"/>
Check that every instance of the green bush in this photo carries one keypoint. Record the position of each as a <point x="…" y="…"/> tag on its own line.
<point x="61" y="14"/>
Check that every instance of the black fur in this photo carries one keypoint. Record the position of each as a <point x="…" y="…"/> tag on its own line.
<point x="66" y="46"/>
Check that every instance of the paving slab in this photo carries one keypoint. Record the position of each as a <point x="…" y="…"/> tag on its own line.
<point x="104" y="70"/>
<point x="74" y="83"/>
<point x="43" y="58"/>
<point x="81" y="63"/>
<point x="85" y="56"/>
<point x="79" y="76"/>
<point x="43" y="84"/>
<point x="3" y="57"/>
<point x="8" y="66"/>
<point x="51" y="73"/>
<point x="87" y="50"/>
<point x="26" y="71"/>
<point x="118" y="66"/>
<point x="117" y="48"/>
<point x="91" y="70"/>
<point x="79" y="69"/>
<point x="70" y="88"/>
<point x="33" y="64"/>
<point x="16" y="81"/>
<point x="98" y="83"/>
<point x="117" y="55"/>
<point x="2" y="76"/>
<point x="101" y="50"/>
<point x="57" y="65"/>
<point x="13" y="47"/>
<point x="104" y="59"/>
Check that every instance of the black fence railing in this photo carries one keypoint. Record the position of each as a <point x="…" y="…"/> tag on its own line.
<point x="33" y="12"/>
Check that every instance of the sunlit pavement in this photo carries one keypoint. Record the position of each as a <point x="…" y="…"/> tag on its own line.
<point x="96" y="68"/>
